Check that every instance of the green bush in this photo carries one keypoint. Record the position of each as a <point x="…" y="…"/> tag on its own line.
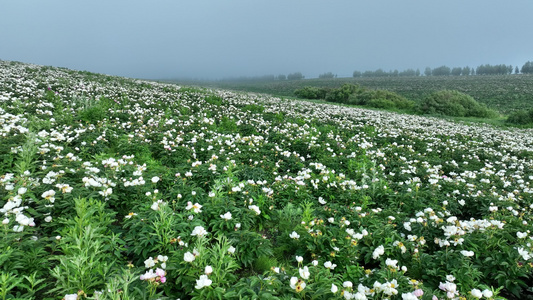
<point x="311" y="92"/>
<point x="380" y="99"/>
<point x="342" y="94"/>
<point x="456" y="104"/>
<point x="521" y="117"/>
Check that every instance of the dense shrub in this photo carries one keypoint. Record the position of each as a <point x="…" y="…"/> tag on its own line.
<point x="456" y="104"/>
<point x="381" y="99"/>
<point x="342" y="94"/>
<point x="521" y="117"/>
<point x="311" y="92"/>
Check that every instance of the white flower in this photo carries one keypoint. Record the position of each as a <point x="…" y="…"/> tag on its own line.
<point x="407" y="226"/>
<point x="392" y="263"/>
<point x="255" y="208"/>
<point x="155" y="179"/>
<point x="22" y="190"/>
<point x="292" y="282"/>
<point x="48" y="219"/>
<point x="304" y="273"/>
<point x="226" y="216"/>
<point x="334" y="288"/>
<point x="299" y="259"/>
<point x="196" y="207"/>
<point x="155" y="206"/>
<point x="347" y="284"/>
<point x="329" y="265"/>
<point x="409" y="296"/>
<point x="359" y="296"/>
<point x="199" y="231"/>
<point x="467" y="253"/>
<point x="231" y="249"/>
<point x="188" y="257"/>
<point x="487" y="293"/>
<point x="524" y="253"/>
<point x="378" y="252"/>
<point x="203" y="282"/>
<point x="71" y="297"/>
<point x="476" y="293"/>
<point x="148" y="275"/>
<point x="347" y="295"/>
<point x="149" y="263"/>
<point x="208" y="270"/>
<point x="5" y="221"/>
<point x="294" y="235"/>
<point x="49" y="195"/>
<point x="521" y="235"/>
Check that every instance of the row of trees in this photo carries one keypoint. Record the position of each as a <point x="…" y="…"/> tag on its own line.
<point x="486" y="69"/>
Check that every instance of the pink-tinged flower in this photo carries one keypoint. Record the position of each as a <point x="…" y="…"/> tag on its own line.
<point x="418" y="292"/>
<point x="160" y="272"/>
<point x="163" y="279"/>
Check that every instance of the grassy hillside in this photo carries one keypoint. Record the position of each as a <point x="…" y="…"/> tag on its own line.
<point x="113" y="188"/>
<point x="505" y="93"/>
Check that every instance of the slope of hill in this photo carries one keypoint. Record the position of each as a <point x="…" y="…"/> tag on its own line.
<point x="118" y="188"/>
<point x="504" y="93"/>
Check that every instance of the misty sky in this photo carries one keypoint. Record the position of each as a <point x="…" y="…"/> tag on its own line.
<point x="218" y="39"/>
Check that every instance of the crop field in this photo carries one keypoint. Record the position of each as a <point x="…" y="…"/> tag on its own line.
<point x="504" y="93"/>
<point x="115" y="188"/>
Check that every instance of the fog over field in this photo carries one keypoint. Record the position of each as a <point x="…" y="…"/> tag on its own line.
<point x="218" y="39"/>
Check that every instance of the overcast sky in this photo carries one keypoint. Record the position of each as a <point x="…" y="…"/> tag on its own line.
<point x="218" y="39"/>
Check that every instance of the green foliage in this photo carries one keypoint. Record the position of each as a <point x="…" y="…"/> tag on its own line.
<point x="521" y="117"/>
<point x="381" y="99"/>
<point x="85" y="240"/>
<point x="456" y="104"/>
<point x="341" y="94"/>
<point x="193" y="194"/>
<point x="310" y="92"/>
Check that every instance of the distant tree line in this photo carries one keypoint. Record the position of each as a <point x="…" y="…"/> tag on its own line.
<point x="486" y="69"/>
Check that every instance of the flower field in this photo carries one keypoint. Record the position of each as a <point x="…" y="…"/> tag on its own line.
<point x="115" y="188"/>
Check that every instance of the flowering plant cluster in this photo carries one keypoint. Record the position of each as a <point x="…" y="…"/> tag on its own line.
<point x="114" y="188"/>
